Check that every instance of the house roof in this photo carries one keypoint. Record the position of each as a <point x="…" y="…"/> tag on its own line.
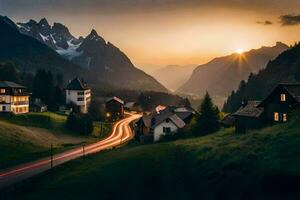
<point x="77" y="84"/>
<point x="8" y="84"/>
<point x="293" y="89"/>
<point x="177" y="121"/>
<point x="228" y="120"/>
<point x="115" y="99"/>
<point x="129" y="104"/>
<point x="251" y="109"/>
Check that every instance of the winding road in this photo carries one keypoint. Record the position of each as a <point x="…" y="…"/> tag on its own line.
<point x="121" y="133"/>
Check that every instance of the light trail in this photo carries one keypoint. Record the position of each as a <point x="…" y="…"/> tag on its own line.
<point x="121" y="133"/>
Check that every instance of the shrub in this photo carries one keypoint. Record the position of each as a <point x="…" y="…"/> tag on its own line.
<point x="80" y="123"/>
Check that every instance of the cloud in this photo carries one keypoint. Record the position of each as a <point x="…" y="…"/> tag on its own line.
<point x="289" y="20"/>
<point x="266" y="23"/>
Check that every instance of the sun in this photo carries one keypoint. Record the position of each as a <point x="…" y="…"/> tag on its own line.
<point x="239" y="51"/>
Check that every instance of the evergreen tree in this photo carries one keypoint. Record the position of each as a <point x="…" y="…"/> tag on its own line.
<point x="207" y="121"/>
<point x="9" y="72"/>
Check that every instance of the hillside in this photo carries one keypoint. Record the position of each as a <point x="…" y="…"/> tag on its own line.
<point x="262" y="164"/>
<point x="222" y="75"/>
<point x="284" y="69"/>
<point x="104" y="64"/>
<point x="173" y="76"/>
<point x="29" y="137"/>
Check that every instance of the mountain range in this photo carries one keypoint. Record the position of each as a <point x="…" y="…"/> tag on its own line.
<point x="222" y="75"/>
<point x="35" y="45"/>
<point x="284" y="69"/>
<point x="173" y="76"/>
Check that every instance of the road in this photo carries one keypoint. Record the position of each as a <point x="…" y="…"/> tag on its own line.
<point x="121" y="133"/>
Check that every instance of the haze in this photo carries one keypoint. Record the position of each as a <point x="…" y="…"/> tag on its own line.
<point x="157" y="33"/>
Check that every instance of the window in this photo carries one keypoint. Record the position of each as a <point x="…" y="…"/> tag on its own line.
<point x="2" y="91"/>
<point x="167" y="120"/>
<point x="3" y="108"/>
<point x="284" y="117"/>
<point x="80" y="93"/>
<point x="166" y="129"/>
<point x="80" y="99"/>
<point x="276" y="116"/>
<point x="282" y="97"/>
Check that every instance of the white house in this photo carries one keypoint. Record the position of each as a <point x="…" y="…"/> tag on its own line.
<point x="78" y="93"/>
<point x="169" y="125"/>
<point x="164" y="120"/>
<point x="13" y="98"/>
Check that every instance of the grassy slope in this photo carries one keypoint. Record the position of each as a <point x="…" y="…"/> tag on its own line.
<point x="28" y="137"/>
<point x="263" y="164"/>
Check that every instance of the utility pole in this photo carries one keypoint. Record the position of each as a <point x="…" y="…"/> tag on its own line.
<point x="51" y="155"/>
<point x="83" y="150"/>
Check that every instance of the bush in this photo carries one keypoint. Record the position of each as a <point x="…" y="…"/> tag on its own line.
<point x="80" y="123"/>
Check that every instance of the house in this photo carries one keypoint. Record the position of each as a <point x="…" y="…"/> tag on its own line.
<point x="79" y="94"/>
<point x="280" y="102"/>
<point x="249" y="116"/>
<point x="37" y="105"/>
<point x="114" y="108"/>
<point x="13" y="98"/>
<point x="162" y="122"/>
<point x="132" y="106"/>
<point x="275" y="108"/>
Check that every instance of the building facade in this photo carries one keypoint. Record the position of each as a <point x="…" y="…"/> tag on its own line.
<point x="13" y="98"/>
<point x="114" y="108"/>
<point x="275" y="108"/>
<point x="79" y="94"/>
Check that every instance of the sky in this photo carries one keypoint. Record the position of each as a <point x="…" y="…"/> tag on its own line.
<point x="156" y="33"/>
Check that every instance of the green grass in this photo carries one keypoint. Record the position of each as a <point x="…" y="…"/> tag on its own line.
<point x="28" y="137"/>
<point x="262" y="164"/>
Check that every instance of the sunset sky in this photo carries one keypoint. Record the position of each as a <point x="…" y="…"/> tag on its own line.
<point x="162" y="32"/>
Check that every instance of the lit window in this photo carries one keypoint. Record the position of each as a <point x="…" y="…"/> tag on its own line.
<point x="2" y="91"/>
<point x="284" y="117"/>
<point x="282" y="97"/>
<point x="276" y="116"/>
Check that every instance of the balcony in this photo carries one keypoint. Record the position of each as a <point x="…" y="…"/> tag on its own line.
<point x="19" y="103"/>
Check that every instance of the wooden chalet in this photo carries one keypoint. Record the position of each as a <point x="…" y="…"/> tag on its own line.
<point x="275" y="108"/>
<point x="114" y="108"/>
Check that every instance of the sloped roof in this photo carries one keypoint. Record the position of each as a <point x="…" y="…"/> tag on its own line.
<point x="177" y="121"/>
<point x="129" y="104"/>
<point x="77" y="84"/>
<point x="115" y="99"/>
<point x="293" y="89"/>
<point x="8" y="84"/>
<point x="251" y="109"/>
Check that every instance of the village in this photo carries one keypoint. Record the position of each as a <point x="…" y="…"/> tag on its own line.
<point x="161" y="122"/>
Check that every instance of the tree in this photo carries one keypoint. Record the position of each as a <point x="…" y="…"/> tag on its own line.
<point x="9" y="72"/>
<point x="97" y="110"/>
<point x="207" y="121"/>
<point x="80" y="123"/>
<point x="186" y="103"/>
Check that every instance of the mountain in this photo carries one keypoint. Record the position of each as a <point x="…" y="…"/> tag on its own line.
<point x="106" y="65"/>
<point x="284" y="69"/>
<point x="29" y="54"/>
<point x="173" y="76"/>
<point x="222" y="75"/>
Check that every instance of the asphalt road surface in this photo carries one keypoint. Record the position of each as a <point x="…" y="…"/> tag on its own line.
<point x="121" y="133"/>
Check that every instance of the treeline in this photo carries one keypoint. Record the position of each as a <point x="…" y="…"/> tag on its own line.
<point x="43" y="84"/>
<point x="284" y="69"/>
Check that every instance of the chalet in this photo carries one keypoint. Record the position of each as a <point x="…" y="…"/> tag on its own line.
<point x="275" y="108"/>
<point x="249" y="116"/>
<point x="79" y="94"/>
<point x="280" y="102"/>
<point x="114" y="108"/>
<point x="163" y="121"/>
<point x="13" y="98"/>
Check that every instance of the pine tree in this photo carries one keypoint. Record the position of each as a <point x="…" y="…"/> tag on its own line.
<point x="207" y="121"/>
